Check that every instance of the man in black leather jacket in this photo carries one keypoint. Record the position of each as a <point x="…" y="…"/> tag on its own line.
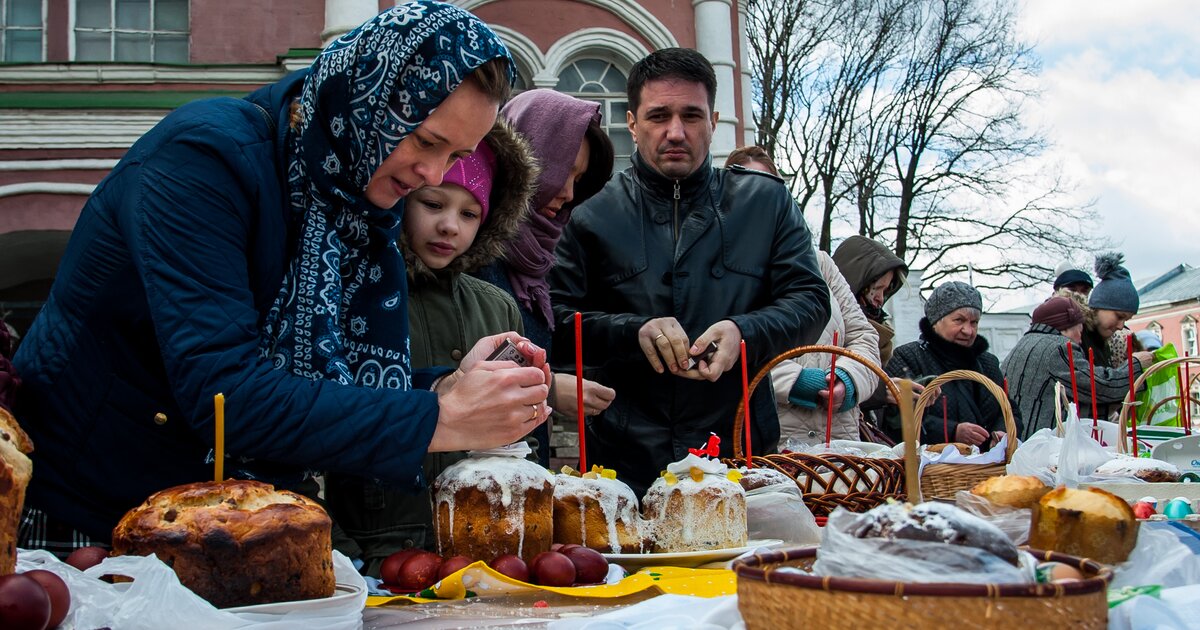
<point x="671" y="255"/>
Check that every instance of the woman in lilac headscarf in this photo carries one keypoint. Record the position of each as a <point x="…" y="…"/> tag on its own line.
<point x="577" y="159"/>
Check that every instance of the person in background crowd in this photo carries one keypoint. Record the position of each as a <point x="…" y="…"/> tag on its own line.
<point x="1039" y="360"/>
<point x="950" y="341"/>
<point x="874" y="275"/>
<point x="1149" y="339"/>
<point x="9" y="382"/>
<point x="674" y="255"/>
<point x="576" y="157"/>
<point x="1073" y="279"/>
<point x="1113" y="302"/>
<point x="196" y="268"/>
<point x="752" y="157"/>
<point x="459" y="226"/>
<point x="801" y="385"/>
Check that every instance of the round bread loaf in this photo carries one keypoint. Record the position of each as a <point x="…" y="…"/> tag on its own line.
<point x="694" y="506"/>
<point x="933" y="522"/>
<point x="761" y="477"/>
<point x="234" y="542"/>
<point x="1144" y="468"/>
<point x="597" y="512"/>
<point x="486" y="506"/>
<point x="1089" y="523"/>
<point x="1014" y="491"/>
<point x="15" y="472"/>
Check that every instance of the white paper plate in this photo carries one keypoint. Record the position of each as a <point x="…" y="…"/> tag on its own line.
<point x="341" y="592"/>
<point x="687" y="559"/>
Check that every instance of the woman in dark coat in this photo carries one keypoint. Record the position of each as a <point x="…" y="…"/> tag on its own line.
<point x="950" y="341"/>
<point x="247" y="246"/>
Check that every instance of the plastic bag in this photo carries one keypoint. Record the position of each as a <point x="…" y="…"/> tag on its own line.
<point x="1159" y="557"/>
<point x="778" y="512"/>
<point x="1014" y="522"/>
<point x="1037" y="457"/>
<point x="1080" y="455"/>
<point x="156" y="599"/>
<point x="844" y="555"/>
<point x="1161" y="385"/>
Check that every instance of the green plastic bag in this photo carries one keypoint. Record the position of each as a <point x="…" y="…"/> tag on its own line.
<point x="1160" y="386"/>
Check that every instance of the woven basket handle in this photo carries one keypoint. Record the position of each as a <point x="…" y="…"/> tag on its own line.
<point x="1127" y="403"/>
<point x="739" y="420"/>
<point x="1010" y="423"/>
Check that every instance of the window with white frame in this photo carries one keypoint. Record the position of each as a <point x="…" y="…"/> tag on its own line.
<point x="601" y="82"/>
<point x="22" y="28"/>
<point x="1188" y="329"/>
<point x="131" y="30"/>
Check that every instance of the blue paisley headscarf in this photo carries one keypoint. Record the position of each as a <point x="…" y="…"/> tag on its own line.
<point x="342" y="312"/>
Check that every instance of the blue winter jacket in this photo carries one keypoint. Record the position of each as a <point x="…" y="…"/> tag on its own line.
<point x="158" y="305"/>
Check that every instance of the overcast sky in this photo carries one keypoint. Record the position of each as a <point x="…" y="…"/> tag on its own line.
<point x="1121" y="102"/>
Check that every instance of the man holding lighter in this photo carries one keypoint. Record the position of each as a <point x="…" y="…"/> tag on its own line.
<point x="673" y="264"/>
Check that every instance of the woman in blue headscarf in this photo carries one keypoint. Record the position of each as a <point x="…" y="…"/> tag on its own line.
<point x="248" y="246"/>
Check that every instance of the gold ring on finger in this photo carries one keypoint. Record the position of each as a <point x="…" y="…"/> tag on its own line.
<point x="660" y="336"/>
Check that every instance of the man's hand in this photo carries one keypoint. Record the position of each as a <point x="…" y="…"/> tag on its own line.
<point x="490" y="405"/>
<point x="665" y="345"/>
<point x="969" y="433"/>
<point x="728" y="338"/>
<point x="596" y="397"/>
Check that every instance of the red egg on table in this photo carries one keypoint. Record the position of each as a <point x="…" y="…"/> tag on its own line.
<point x="60" y="595"/>
<point x="85" y="558"/>
<point x="420" y="571"/>
<point x="454" y="565"/>
<point x="551" y="568"/>
<point x="590" y="566"/>
<point x="512" y="566"/>
<point x="24" y="604"/>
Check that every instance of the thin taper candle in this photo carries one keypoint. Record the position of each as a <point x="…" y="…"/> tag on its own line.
<point x="1092" y="376"/>
<point x="579" y="390"/>
<point x="1133" y="419"/>
<point x="746" y="397"/>
<point x="219" y="450"/>
<point x="829" y="413"/>
<point x="1074" y="387"/>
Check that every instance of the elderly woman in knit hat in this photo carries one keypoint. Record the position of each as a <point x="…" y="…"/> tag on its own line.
<point x="1039" y="360"/>
<point x="950" y="341"/>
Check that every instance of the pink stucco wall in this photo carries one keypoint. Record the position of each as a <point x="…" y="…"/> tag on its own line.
<point x="254" y="32"/>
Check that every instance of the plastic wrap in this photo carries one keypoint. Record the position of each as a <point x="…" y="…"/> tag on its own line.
<point x="155" y="599"/>
<point x="844" y="555"/>
<point x="1014" y="522"/>
<point x="778" y="512"/>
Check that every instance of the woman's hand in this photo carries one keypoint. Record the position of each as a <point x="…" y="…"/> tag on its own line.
<point x="917" y="388"/>
<point x="486" y="346"/>
<point x="839" y="395"/>
<point x="596" y="397"/>
<point x="490" y="405"/>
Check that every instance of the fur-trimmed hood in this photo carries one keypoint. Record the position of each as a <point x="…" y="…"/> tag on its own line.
<point x="513" y="185"/>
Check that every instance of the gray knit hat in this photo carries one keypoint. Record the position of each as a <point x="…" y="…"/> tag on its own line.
<point x="949" y="297"/>
<point x="1115" y="291"/>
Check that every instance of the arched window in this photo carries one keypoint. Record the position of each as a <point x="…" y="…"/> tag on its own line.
<point x="602" y="82"/>
<point x="1188" y="328"/>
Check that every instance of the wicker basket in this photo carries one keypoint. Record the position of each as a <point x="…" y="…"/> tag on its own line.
<point x="769" y="598"/>
<point x="942" y="481"/>
<point x="856" y="483"/>
<point x="1127" y="404"/>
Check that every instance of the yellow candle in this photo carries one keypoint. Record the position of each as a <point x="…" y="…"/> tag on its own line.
<point x="219" y="454"/>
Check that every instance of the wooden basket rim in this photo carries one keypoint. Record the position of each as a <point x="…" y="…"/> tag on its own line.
<point x="740" y="417"/>
<point x="1010" y="422"/>
<point x="1128" y="403"/>
<point x="750" y="568"/>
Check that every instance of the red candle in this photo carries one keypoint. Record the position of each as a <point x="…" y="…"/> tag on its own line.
<point x="1132" y="399"/>
<point x="579" y="389"/>
<point x="945" y="421"/>
<point x="1074" y="387"/>
<point x="832" y="377"/>
<point x="1092" y="376"/>
<point x="746" y="397"/>
<point x="1006" y="388"/>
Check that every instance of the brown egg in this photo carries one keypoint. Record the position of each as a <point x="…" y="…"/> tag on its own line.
<point x="1055" y="572"/>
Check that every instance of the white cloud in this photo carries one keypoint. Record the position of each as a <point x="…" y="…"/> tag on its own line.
<point x="1126" y="127"/>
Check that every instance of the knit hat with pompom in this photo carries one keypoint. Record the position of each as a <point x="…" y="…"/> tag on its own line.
<point x="1115" y="291"/>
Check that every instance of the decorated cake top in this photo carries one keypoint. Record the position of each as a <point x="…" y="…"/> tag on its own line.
<point x="497" y="472"/>
<point x="700" y="466"/>
<point x="1126" y="465"/>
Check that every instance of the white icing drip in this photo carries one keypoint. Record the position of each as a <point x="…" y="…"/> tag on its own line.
<point x="708" y="466"/>
<point x="498" y="478"/>
<point x="1123" y="464"/>
<point x="716" y="520"/>
<point x="616" y="500"/>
